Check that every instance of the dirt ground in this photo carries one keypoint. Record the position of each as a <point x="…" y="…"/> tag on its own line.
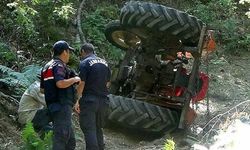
<point x="229" y="85"/>
<point x="9" y="128"/>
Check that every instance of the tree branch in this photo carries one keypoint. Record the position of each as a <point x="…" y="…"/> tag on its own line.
<point x="219" y="117"/>
<point x="7" y="97"/>
<point x="79" y="26"/>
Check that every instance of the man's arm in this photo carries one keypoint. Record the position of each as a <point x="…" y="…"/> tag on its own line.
<point x="108" y="84"/>
<point x="79" y="89"/>
<point x="59" y="74"/>
<point x="67" y="82"/>
<point x="83" y="74"/>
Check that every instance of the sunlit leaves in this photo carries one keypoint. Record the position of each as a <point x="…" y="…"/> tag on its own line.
<point x="65" y="11"/>
<point x="245" y="2"/>
<point x="169" y="144"/>
<point x="23" y="15"/>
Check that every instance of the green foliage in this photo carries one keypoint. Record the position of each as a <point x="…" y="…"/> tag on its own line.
<point x="6" y="55"/>
<point x="35" y="25"/>
<point x="31" y="72"/>
<point x="246" y="2"/>
<point x="32" y="140"/>
<point x="94" y="25"/>
<point x="169" y="144"/>
<point x="23" y="18"/>
<point x="74" y="61"/>
<point x="65" y="12"/>
<point x="53" y="23"/>
<point x="222" y="15"/>
<point x="19" y="80"/>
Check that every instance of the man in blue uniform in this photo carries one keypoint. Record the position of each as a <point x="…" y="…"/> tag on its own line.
<point x="57" y="85"/>
<point x="95" y="76"/>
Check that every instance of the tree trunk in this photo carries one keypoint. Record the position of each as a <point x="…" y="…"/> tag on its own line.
<point x="79" y="26"/>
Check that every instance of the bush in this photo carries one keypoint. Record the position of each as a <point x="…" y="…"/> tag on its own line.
<point x="18" y="81"/>
<point x="6" y="55"/>
<point x="32" y="141"/>
<point x="169" y="144"/>
<point x="94" y="25"/>
<point x="223" y="16"/>
<point x="35" y="25"/>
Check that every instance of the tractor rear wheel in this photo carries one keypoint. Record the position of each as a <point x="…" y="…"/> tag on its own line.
<point x="166" y="20"/>
<point x="121" y="37"/>
<point x="142" y="116"/>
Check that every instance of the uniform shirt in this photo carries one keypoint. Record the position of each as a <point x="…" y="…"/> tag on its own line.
<point x="95" y="72"/>
<point x="31" y="101"/>
<point x="54" y="71"/>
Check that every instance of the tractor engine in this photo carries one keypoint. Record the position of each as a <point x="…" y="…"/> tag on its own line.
<point x="154" y="76"/>
<point x="151" y="75"/>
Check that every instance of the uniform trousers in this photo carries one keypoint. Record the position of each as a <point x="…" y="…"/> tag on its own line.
<point x="64" y="137"/>
<point x="93" y="110"/>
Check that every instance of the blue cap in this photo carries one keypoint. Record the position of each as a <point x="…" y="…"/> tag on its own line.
<point x="60" y="46"/>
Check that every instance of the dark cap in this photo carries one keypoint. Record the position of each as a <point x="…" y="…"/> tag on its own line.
<point x="87" y="47"/>
<point x="60" y="46"/>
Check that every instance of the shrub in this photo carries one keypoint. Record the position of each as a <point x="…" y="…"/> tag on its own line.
<point x="6" y="55"/>
<point x="94" y="25"/>
<point x="32" y="141"/>
<point x="169" y="144"/>
<point x="18" y="81"/>
<point x="223" y="16"/>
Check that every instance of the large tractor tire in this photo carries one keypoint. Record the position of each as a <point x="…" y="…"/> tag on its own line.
<point x="142" y="116"/>
<point x="162" y="19"/>
<point x="121" y="37"/>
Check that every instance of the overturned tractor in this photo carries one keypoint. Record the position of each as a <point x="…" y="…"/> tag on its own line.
<point x="159" y="76"/>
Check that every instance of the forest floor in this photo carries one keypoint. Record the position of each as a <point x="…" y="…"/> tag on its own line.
<point x="229" y="86"/>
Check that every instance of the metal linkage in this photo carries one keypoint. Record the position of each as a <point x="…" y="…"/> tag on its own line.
<point x="192" y="79"/>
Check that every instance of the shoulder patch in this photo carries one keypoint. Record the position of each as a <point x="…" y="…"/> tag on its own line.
<point x="97" y="61"/>
<point x="60" y="65"/>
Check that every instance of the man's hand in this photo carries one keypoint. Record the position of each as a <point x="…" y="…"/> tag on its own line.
<point x="67" y="82"/>
<point x="77" y="107"/>
<point x="108" y="85"/>
<point x="77" y="79"/>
